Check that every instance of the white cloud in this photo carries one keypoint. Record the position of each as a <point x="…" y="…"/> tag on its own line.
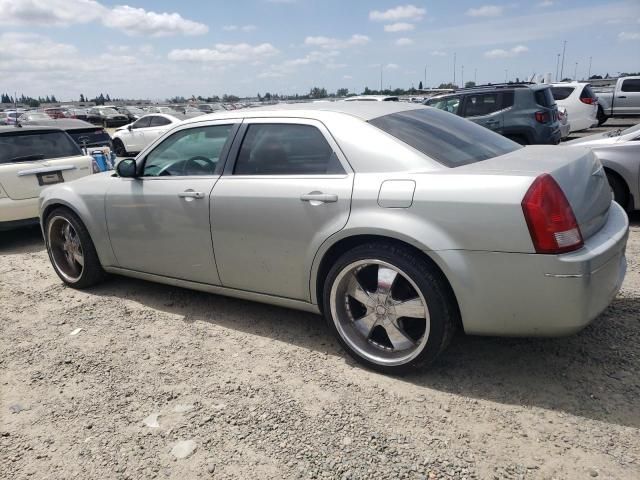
<point x="335" y="43"/>
<point x="438" y="53"/>
<point x="347" y="77"/>
<point x="399" y="27"/>
<point x="401" y="12"/>
<point x="391" y="66"/>
<point x="546" y="3"/>
<point x="502" y="53"/>
<point x="485" y="11"/>
<point x="401" y="42"/>
<point x="629" y="36"/>
<point x="224" y="53"/>
<point x="244" y="28"/>
<point x="133" y="21"/>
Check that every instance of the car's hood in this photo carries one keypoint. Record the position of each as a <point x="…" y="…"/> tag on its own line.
<point x="603" y="138"/>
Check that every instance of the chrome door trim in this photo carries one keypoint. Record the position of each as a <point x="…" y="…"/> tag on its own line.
<point x="35" y="171"/>
<point x="217" y="290"/>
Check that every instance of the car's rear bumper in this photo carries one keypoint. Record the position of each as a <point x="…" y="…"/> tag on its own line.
<point x="515" y="294"/>
<point x="17" y="210"/>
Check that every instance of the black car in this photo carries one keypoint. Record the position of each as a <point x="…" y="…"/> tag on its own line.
<point x="132" y="113"/>
<point x="83" y="133"/>
<point x="107" y="117"/>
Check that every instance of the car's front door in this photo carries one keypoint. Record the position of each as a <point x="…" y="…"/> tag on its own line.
<point x="134" y="138"/>
<point x="627" y="101"/>
<point x="159" y="222"/>
<point x="484" y="109"/>
<point x="286" y="189"/>
<point x="157" y="127"/>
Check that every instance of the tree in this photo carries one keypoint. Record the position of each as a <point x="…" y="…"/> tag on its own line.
<point x="317" y="92"/>
<point x="420" y="85"/>
<point x="469" y="84"/>
<point x="342" y="92"/>
<point x="447" y="85"/>
<point x="82" y="100"/>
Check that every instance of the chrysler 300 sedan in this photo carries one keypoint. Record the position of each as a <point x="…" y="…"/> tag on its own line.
<point x="398" y="222"/>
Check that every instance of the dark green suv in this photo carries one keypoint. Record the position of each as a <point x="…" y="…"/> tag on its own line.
<point x="525" y="113"/>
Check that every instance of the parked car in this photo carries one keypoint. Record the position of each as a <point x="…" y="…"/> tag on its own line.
<point x="10" y="117"/>
<point x="77" y="113"/>
<point x="32" y="158"/>
<point x="372" y="98"/>
<point x="578" y="99"/>
<point x="55" y="112"/>
<point x="137" y="135"/>
<point x="622" y="100"/>
<point x="619" y="153"/>
<point x="565" y="125"/>
<point x="525" y="113"/>
<point x="163" y="109"/>
<point x="83" y="133"/>
<point x="387" y="217"/>
<point x="210" y="107"/>
<point x="106" y="116"/>
<point x="132" y="113"/>
<point x="34" y="116"/>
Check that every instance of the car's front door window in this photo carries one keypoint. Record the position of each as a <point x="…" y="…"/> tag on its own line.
<point x="189" y="152"/>
<point x="449" y="104"/>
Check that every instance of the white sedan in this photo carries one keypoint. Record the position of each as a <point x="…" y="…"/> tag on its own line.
<point x="579" y="101"/>
<point x="134" y="137"/>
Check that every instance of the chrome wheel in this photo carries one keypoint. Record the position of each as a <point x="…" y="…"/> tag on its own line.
<point x="66" y="248"/>
<point x="380" y="312"/>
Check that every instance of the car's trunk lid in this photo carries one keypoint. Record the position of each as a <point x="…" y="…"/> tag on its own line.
<point x="577" y="170"/>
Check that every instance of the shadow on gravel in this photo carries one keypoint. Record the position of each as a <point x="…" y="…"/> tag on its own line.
<point x="22" y="240"/>
<point x="593" y="374"/>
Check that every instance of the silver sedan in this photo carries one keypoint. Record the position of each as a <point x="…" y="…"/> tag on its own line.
<point x="619" y="152"/>
<point x="399" y="223"/>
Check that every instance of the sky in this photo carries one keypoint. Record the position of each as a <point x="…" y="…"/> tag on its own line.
<point x="160" y="49"/>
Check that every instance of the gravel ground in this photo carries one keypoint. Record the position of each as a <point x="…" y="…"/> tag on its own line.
<point x="162" y="382"/>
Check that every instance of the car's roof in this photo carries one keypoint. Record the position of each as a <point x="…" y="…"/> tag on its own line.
<point x="363" y="110"/>
<point x="371" y="98"/>
<point x="30" y="128"/>
<point x="63" y="123"/>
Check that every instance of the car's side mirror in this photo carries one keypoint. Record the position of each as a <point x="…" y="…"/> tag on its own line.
<point x="127" y="168"/>
<point x="129" y="127"/>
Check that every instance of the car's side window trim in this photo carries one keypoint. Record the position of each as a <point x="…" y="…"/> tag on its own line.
<point x="222" y="160"/>
<point x="234" y="152"/>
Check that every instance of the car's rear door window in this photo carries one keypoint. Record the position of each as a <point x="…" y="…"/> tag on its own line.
<point x="142" y="123"/>
<point x="477" y="105"/>
<point x="285" y="149"/>
<point x="448" y="139"/>
<point x="158" y="121"/>
<point x="27" y="146"/>
<point x="561" y="93"/>
<point x="631" y="85"/>
<point x="587" y="93"/>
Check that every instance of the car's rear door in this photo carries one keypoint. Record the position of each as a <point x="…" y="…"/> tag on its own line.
<point x="484" y="109"/>
<point x="134" y="139"/>
<point x="157" y="127"/>
<point x="159" y="222"/>
<point x="286" y="189"/>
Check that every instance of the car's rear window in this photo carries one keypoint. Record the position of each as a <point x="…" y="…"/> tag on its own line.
<point x="444" y="137"/>
<point x="545" y="98"/>
<point x="36" y="145"/>
<point x="89" y="136"/>
<point x="561" y="93"/>
<point x="587" y="92"/>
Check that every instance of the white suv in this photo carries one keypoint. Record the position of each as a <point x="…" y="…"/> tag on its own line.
<point x="31" y="158"/>
<point x="134" y="137"/>
<point x="579" y="101"/>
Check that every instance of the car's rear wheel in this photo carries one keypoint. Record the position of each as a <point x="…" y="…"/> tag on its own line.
<point x="119" y="148"/>
<point x="389" y="308"/>
<point x="71" y="250"/>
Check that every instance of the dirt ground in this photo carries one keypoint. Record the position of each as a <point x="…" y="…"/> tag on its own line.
<point x="168" y="383"/>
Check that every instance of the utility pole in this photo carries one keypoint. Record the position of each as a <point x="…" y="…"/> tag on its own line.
<point x="454" y="68"/>
<point x="475" y="76"/>
<point x="462" y="77"/>
<point x="425" y="76"/>
<point x="506" y="75"/>
<point x="557" y="67"/>
<point x="575" y="72"/>
<point x="380" y="79"/>
<point x="589" y="74"/>
<point x="564" y="47"/>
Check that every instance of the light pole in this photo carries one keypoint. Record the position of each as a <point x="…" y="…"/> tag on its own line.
<point x="475" y="76"/>
<point x="575" y="72"/>
<point x="462" y="77"/>
<point x="506" y="75"/>
<point x="454" y="68"/>
<point x="589" y="74"/>
<point x="425" y="76"/>
<point x="564" y="46"/>
<point x="381" y="79"/>
<point x="557" y="67"/>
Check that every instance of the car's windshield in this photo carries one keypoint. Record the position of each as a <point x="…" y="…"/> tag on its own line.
<point x="446" y="138"/>
<point x="36" y="145"/>
<point x="109" y="111"/>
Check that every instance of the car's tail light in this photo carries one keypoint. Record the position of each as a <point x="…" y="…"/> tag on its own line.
<point x="542" y="117"/>
<point x="552" y="224"/>
<point x="589" y="101"/>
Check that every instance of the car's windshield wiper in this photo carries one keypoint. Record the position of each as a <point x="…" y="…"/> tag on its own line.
<point x="26" y="158"/>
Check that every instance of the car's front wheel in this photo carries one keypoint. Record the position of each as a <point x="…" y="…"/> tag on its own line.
<point x="389" y="307"/>
<point x="71" y="250"/>
<point x="119" y="148"/>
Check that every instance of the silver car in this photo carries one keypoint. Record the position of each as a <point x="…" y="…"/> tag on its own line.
<point x="398" y="222"/>
<point x="619" y="152"/>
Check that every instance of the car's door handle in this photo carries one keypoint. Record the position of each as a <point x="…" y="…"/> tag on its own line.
<point x="622" y="96"/>
<point x="191" y="194"/>
<point x="319" y="197"/>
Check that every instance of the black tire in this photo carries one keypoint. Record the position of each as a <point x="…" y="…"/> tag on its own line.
<point x="521" y="139"/>
<point x="619" y="189"/>
<point x="602" y="118"/>
<point x="440" y="301"/>
<point x="92" y="272"/>
<point x="119" y="148"/>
